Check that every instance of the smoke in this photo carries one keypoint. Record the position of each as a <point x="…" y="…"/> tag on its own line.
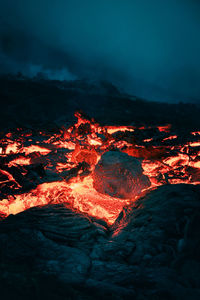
<point x="149" y="48"/>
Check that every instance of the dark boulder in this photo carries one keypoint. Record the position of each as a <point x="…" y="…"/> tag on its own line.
<point x="119" y="175"/>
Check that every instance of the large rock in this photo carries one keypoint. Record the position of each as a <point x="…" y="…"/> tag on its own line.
<point x="119" y="175"/>
<point x="163" y="225"/>
<point x="152" y="251"/>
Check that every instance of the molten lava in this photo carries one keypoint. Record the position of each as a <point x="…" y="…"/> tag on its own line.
<point x="39" y="168"/>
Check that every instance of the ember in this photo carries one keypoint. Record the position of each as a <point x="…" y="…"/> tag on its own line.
<point x="38" y="169"/>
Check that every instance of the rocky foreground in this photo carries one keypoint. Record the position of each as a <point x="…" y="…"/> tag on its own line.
<point x="152" y="251"/>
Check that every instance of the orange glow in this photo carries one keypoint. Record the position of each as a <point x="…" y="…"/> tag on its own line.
<point x="165" y="128"/>
<point x="10" y="178"/>
<point x="12" y="148"/>
<point x="20" y="161"/>
<point x="68" y="159"/>
<point x="180" y="159"/>
<point x="172" y="137"/>
<point x="113" y="129"/>
<point x="195" y="133"/>
<point x="195" y="144"/>
<point x="148" y="140"/>
<point x="35" y="148"/>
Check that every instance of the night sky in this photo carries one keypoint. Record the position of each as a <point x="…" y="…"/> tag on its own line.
<point x="147" y="48"/>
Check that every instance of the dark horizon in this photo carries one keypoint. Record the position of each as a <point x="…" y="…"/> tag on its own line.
<point x="148" y="49"/>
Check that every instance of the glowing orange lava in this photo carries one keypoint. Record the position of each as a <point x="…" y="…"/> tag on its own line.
<point x="59" y="167"/>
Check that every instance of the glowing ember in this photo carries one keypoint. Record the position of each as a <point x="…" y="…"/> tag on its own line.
<point x="195" y="144"/>
<point x="12" y="148"/>
<point x="37" y="169"/>
<point x="195" y="133"/>
<point x="172" y="137"/>
<point x="113" y="129"/>
<point x="164" y="128"/>
<point x="20" y="161"/>
<point x="35" y="148"/>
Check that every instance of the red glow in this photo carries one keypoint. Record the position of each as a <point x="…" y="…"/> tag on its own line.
<point x="165" y="128"/>
<point x="69" y="158"/>
<point x="20" y="161"/>
<point x="172" y="137"/>
<point x="195" y="133"/>
<point x="113" y="129"/>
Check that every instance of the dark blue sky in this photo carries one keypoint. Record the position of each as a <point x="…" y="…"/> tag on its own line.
<point x="149" y="48"/>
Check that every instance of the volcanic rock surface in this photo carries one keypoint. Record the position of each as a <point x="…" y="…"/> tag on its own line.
<point x="150" y="252"/>
<point x="119" y="175"/>
<point x="48" y="104"/>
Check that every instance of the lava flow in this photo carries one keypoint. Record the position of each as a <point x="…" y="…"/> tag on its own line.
<point x="39" y="168"/>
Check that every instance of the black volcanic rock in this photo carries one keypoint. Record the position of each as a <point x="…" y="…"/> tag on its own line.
<point x="150" y="252"/>
<point x="33" y="103"/>
<point x="119" y="175"/>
